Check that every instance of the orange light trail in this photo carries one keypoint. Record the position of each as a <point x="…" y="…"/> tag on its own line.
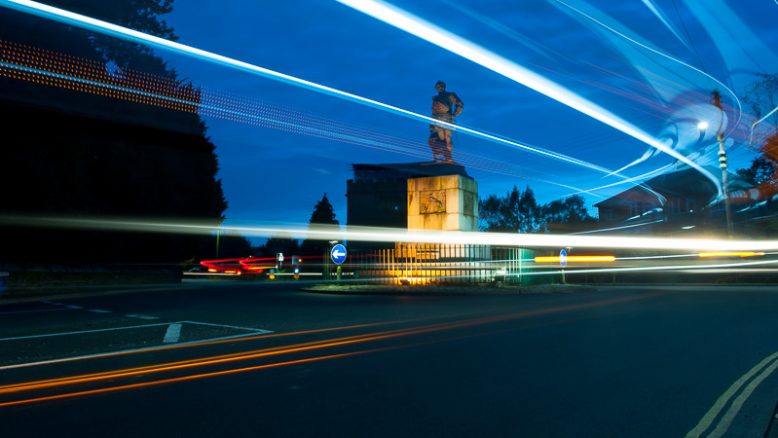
<point x="577" y="259"/>
<point x="206" y="343"/>
<point x="301" y="347"/>
<point x="179" y="379"/>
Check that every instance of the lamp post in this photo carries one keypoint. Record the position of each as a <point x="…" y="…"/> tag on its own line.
<point x="723" y="163"/>
<point x="218" y="236"/>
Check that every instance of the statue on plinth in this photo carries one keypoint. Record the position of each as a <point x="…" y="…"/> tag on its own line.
<point x="445" y="106"/>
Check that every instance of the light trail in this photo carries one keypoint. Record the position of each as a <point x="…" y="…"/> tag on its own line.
<point x="633" y="180"/>
<point x="699" y="268"/>
<point x="377" y="234"/>
<point x="217" y="105"/>
<point x="663" y="55"/>
<point x="197" y="344"/>
<point x="296" y="348"/>
<point x="576" y="259"/>
<point x="180" y="379"/>
<point x="199" y="362"/>
<point x="712" y="254"/>
<point x="624" y="227"/>
<point x="753" y="125"/>
<point x="113" y="30"/>
<point x="656" y="11"/>
<point x="427" y="31"/>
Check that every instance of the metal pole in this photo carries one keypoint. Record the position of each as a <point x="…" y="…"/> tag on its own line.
<point x="723" y="164"/>
<point x="724" y="182"/>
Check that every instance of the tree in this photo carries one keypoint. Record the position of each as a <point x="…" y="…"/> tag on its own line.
<point x="274" y="245"/>
<point x="762" y="96"/>
<point x="762" y="169"/>
<point x="567" y="215"/>
<point x="519" y="211"/>
<point x="94" y="155"/>
<point x="323" y="213"/>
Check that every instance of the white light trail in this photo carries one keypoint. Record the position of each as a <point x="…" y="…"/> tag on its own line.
<point x="753" y="125"/>
<point x="113" y="30"/>
<point x="711" y="268"/>
<point x="376" y="234"/>
<point x="735" y="98"/>
<point x="427" y="31"/>
<point x="656" y="11"/>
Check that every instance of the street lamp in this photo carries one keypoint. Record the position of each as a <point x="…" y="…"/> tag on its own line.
<point x="702" y="125"/>
<point x="723" y="162"/>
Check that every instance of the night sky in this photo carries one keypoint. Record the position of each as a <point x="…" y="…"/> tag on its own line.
<point x="651" y="62"/>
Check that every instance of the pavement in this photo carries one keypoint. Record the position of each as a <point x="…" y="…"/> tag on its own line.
<point x="265" y="359"/>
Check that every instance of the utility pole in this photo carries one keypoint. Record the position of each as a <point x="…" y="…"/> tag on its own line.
<point x="723" y="163"/>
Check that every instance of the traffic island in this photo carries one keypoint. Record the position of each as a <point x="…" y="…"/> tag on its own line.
<point x="442" y="290"/>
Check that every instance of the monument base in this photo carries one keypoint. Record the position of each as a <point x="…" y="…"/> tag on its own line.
<point x="443" y="203"/>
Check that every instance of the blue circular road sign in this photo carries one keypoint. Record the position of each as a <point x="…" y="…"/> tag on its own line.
<point x="563" y="258"/>
<point x="338" y="254"/>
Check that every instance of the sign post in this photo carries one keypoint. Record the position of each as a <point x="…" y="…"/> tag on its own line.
<point x="563" y="263"/>
<point x="338" y="255"/>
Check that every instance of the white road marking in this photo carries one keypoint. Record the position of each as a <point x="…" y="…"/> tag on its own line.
<point x="172" y="334"/>
<point x="726" y="420"/>
<point x="714" y="411"/>
<point x="120" y="352"/>
<point x="74" y="307"/>
<point x="140" y="316"/>
<point x="16" y="338"/>
<point x="252" y="329"/>
<point x="99" y="311"/>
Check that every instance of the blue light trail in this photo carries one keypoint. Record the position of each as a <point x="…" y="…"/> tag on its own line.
<point x="427" y="31"/>
<point x="113" y="30"/>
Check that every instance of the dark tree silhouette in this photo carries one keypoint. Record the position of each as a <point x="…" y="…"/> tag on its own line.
<point x="91" y="155"/>
<point x="519" y="211"/>
<point x="274" y="245"/>
<point x="323" y="213"/>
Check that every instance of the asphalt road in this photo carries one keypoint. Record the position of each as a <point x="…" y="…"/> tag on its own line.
<point x="244" y="359"/>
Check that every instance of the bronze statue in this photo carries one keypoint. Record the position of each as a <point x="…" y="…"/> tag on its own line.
<point x="445" y="106"/>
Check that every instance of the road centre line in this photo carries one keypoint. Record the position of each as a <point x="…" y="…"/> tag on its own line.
<point x="99" y="311"/>
<point x="713" y="412"/>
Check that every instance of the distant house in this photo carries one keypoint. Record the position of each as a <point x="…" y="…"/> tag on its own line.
<point x="672" y="197"/>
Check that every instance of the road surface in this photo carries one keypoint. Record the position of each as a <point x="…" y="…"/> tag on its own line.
<point x="251" y="359"/>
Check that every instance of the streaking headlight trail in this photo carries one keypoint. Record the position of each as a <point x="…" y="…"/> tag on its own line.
<point x="113" y="30"/>
<point x="427" y="31"/>
<point x="376" y="234"/>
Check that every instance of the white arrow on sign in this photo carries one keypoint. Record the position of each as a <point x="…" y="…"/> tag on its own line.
<point x="338" y="253"/>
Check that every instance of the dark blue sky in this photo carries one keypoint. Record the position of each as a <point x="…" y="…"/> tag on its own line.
<point x="272" y="175"/>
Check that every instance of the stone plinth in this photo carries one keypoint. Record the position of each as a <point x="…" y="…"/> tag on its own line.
<point x="444" y="203"/>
